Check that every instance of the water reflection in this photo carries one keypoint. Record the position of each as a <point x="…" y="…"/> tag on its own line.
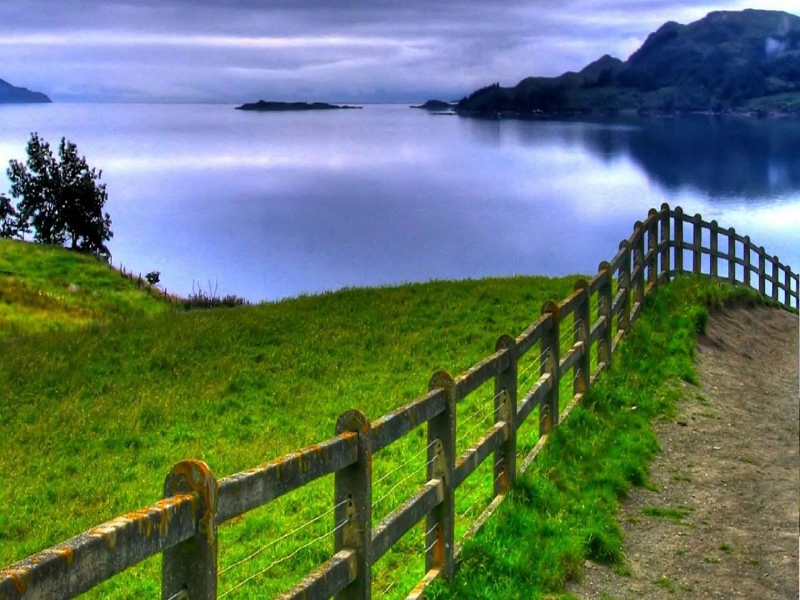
<point x="721" y="157"/>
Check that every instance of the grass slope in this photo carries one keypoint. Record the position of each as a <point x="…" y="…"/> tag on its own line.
<point x="563" y="510"/>
<point x="44" y="288"/>
<point x="94" y="417"/>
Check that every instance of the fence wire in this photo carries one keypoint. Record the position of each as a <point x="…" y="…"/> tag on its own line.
<point x="283" y="537"/>
<point x="285" y="558"/>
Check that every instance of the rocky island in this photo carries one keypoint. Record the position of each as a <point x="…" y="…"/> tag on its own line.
<point x="728" y="62"/>
<point x="10" y="94"/>
<point x="435" y="105"/>
<point x="263" y="106"/>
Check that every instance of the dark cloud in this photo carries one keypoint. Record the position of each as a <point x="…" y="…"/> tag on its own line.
<point x="205" y="50"/>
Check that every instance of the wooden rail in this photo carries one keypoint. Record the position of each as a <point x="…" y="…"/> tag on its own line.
<point x="183" y="526"/>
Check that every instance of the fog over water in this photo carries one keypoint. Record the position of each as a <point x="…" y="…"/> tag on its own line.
<point x="269" y="205"/>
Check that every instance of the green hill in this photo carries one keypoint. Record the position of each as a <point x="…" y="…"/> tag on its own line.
<point x="746" y="60"/>
<point x="94" y="416"/>
<point x="44" y="288"/>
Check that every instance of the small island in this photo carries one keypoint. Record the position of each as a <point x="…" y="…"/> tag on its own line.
<point x="435" y="105"/>
<point x="263" y="106"/>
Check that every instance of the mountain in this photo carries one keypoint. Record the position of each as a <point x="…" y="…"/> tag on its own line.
<point x="729" y="60"/>
<point x="10" y="94"/>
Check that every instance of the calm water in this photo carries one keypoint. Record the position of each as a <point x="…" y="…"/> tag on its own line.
<point x="276" y="204"/>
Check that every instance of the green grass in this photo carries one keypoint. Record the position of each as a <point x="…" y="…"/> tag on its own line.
<point x="46" y="289"/>
<point x="673" y="514"/>
<point x="94" y="417"/>
<point x="564" y="509"/>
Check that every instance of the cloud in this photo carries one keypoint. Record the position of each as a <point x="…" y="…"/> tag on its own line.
<point x="205" y="50"/>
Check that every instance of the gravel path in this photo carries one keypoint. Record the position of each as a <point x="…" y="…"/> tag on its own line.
<point x="723" y="522"/>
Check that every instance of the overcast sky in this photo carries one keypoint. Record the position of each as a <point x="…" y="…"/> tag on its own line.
<point x="336" y="50"/>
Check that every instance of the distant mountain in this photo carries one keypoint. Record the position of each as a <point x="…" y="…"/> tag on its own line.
<point x="264" y="106"/>
<point x="730" y="60"/>
<point x="10" y="94"/>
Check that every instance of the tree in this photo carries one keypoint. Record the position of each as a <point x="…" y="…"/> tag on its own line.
<point x="61" y="198"/>
<point x="9" y="220"/>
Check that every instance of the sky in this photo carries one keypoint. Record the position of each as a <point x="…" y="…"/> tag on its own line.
<point x="317" y="50"/>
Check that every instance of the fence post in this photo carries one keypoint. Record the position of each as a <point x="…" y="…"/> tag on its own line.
<point x="747" y="260"/>
<point x="665" y="237"/>
<point x="548" y="409"/>
<point x="775" y="274"/>
<point x="583" y="369"/>
<point x="624" y="283"/>
<point x="787" y="281"/>
<point x="697" y="244"/>
<point x="505" y="409"/>
<point x="678" y="240"/>
<point x="714" y="243"/>
<point x="604" y="301"/>
<point x="762" y="271"/>
<point x="191" y="566"/>
<point x="353" y="490"/>
<point x="638" y="264"/>
<point x="652" y="248"/>
<point x="440" y="523"/>
<point x="731" y="256"/>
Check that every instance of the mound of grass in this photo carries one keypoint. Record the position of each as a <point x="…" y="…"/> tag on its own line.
<point x="563" y="510"/>
<point x="45" y="288"/>
<point x="94" y="418"/>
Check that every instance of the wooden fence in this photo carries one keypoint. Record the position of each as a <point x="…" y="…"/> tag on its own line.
<point x="183" y="526"/>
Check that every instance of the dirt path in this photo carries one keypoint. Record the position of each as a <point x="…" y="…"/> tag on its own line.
<point x="723" y="522"/>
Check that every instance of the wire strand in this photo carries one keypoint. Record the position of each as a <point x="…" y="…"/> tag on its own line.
<point x="285" y="558"/>
<point x="411" y="458"/>
<point x="283" y="537"/>
<point x="396" y="485"/>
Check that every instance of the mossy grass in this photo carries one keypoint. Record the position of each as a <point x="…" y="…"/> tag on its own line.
<point x="563" y="510"/>
<point x="45" y="288"/>
<point x="94" y="417"/>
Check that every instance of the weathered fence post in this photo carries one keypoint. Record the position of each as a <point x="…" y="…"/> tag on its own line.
<point x="731" y="256"/>
<point x="624" y="283"/>
<point x="652" y="248"/>
<point x="678" y="240"/>
<point x="747" y="260"/>
<point x="762" y="271"/>
<point x="697" y="245"/>
<point x="191" y="566"/>
<point x="440" y="523"/>
<point x="505" y="409"/>
<point x="583" y="369"/>
<point x="353" y="491"/>
<point x="714" y="244"/>
<point x="775" y="274"/>
<point x="665" y="237"/>
<point x="548" y="409"/>
<point x="787" y="281"/>
<point x="604" y="308"/>
<point x="638" y="265"/>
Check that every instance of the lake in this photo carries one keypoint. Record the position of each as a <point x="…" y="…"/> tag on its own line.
<point x="270" y="205"/>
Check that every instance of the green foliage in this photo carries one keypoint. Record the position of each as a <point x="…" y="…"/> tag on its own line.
<point x="60" y="198"/>
<point x="9" y="219"/>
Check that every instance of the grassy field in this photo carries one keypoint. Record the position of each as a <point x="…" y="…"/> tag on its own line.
<point x="563" y="510"/>
<point x="103" y="388"/>
<point x="45" y="289"/>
